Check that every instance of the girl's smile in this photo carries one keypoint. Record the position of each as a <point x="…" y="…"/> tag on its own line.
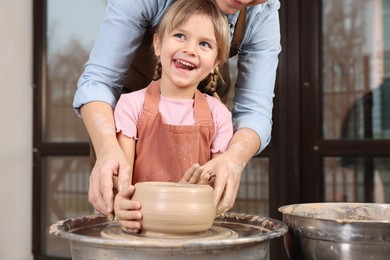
<point x="181" y="64"/>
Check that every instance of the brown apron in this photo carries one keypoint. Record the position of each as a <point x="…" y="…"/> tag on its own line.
<point x="164" y="152"/>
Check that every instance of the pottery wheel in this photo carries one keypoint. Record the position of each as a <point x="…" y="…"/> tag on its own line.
<point x="114" y="231"/>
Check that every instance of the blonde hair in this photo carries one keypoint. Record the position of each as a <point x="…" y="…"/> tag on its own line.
<point x="179" y="13"/>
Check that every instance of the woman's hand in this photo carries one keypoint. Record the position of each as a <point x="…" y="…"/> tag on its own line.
<point x="193" y="175"/>
<point x="223" y="174"/>
<point x="111" y="161"/>
<point x="224" y="171"/>
<point x="110" y="164"/>
<point x="227" y="172"/>
<point x="127" y="212"/>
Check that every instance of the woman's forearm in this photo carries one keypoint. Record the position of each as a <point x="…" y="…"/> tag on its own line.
<point x="243" y="146"/>
<point x="99" y="121"/>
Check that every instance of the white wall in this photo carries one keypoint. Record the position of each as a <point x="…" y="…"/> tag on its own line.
<point x="15" y="129"/>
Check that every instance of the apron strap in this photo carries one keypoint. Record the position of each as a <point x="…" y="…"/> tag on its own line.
<point x="152" y="98"/>
<point x="202" y="111"/>
<point x="238" y="35"/>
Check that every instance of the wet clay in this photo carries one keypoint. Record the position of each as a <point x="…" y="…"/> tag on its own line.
<point x="114" y="231"/>
<point x="175" y="209"/>
<point x="102" y="125"/>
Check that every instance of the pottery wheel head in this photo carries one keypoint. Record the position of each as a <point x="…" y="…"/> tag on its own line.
<point x="114" y="231"/>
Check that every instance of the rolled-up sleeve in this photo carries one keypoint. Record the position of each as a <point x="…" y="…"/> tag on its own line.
<point x="257" y="64"/>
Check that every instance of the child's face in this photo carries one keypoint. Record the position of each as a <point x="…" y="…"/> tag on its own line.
<point x="233" y="6"/>
<point x="188" y="53"/>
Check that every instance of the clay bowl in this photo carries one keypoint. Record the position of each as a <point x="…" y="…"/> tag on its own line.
<point x="175" y="209"/>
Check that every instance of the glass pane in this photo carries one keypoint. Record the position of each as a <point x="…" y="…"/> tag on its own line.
<point x="70" y="37"/>
<point x="356" y="69"/>
<point x="252" y="195"/>
<point x="64" y="195"/>
<point x="354" y="179"/>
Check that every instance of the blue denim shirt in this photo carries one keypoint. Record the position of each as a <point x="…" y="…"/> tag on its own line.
<point x="122" y="31"/>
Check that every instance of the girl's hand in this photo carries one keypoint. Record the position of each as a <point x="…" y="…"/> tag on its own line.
<point x="127" y="212"/>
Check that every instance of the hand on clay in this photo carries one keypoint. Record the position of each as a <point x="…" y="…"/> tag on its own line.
<point x="224" y="170"/>
<point x="127" y="212"/>
<point x="194" y="175"/>
<point x="108" y="164"/>
<point x="224" y="173"/>
<point x="227" y="167"/>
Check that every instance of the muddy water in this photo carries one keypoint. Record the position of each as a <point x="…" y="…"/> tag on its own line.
<point x="341" y="212"/>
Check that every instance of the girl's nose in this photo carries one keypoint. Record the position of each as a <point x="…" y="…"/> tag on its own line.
<point x="190" y="48"/>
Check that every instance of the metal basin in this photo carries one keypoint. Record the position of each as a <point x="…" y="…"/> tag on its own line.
<point x="337" y="231"/>
<point x="242" y="237"/>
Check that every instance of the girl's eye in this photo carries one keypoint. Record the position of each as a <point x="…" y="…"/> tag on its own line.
<point x="205" y="44"/>
<point x="179" y="36"/>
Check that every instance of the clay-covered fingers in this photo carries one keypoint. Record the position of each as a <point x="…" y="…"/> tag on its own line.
<point x="225" y="193"/>
<point x="193" y="174"/>
<point x="226" y="183"/>
<point x="127" y="212"/>
<point x="95" y="197"/>
<point x="100" y="193"/>
<point x="106" y="187"/>
<point x="207" y="177"/>
<point x="124" y="177"/>
<point x="219" y="190"/>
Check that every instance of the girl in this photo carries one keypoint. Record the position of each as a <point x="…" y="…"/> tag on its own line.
<point x="170" y="125"/>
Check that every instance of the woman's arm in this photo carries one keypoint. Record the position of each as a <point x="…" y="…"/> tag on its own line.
<point x="257" y="65"/>
<point x="99" y="121"/>
<point x="101" y="84"/>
